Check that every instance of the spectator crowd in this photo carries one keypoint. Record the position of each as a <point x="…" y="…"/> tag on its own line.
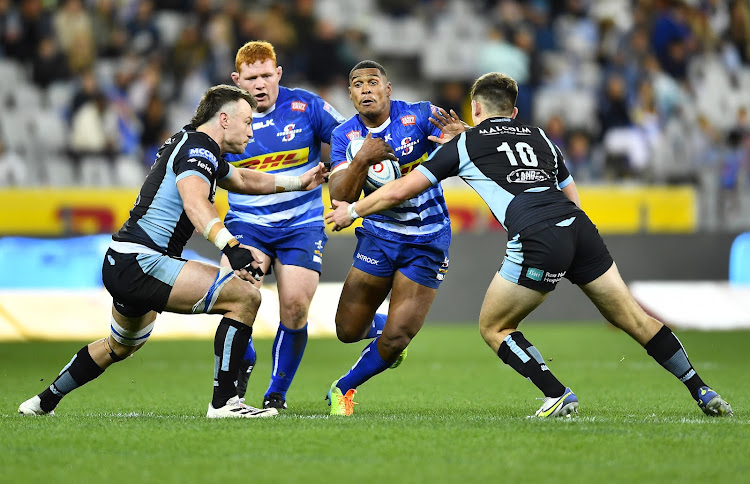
<point x="644" y="91"/>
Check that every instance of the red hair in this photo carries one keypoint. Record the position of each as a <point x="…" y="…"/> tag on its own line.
<point x="254" y="51"/>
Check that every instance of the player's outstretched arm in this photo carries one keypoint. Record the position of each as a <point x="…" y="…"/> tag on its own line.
<point x="194" y="191"/>
<point x="385" y="197"/>
<point x="448" y="123"/>
<point x="252" y="182"/>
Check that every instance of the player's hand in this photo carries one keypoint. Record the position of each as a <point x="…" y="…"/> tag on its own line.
<point x="375" y="150"/>
<point x="340" y="216"/>
<point x="448" y="123"/>
<point x="314" y="176"/>
<point x="245" y="261"/>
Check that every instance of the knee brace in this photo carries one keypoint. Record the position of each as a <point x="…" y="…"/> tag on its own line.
<point x="212" y="295"/>
<point x="130" y="338"/>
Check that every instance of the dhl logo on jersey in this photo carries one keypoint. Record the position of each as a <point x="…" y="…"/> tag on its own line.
<point x="275" y="161"/>
<point x="405" y="169"/>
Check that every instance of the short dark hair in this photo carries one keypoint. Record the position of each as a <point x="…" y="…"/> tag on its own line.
<point x="496" y="91"/>
<point x="216" y="98"/>
<point x="367" y="64"/>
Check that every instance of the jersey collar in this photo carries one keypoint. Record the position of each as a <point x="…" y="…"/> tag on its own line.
<point x="266" y="112"/>
<point x="379" y="129"/>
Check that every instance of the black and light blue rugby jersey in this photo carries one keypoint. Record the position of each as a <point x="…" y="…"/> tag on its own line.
<point x="158" y="219"/>
<point x="515" y="168"/>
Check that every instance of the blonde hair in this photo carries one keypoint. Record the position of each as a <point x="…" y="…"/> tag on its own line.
<point x="254" y="51"/>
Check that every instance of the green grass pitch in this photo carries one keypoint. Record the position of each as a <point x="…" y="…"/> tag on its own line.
<point x="451" y="413"/>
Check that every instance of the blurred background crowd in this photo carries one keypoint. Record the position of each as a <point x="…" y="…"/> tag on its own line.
<point x="641" y="92"/>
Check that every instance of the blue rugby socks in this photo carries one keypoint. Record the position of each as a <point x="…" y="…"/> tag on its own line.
<point x="368" y="365"/>
<point x="376" y="327"/>
<point x="287" y="351"/>
<point x="246" y="368"/>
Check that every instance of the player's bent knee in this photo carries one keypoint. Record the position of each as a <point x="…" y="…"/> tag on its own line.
<point x="251" y="298"/>
<point x="346" y="334"/>
<point x="122" y="342"/>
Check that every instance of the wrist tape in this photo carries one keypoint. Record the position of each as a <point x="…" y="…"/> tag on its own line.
<point x="352" y="213"/>
<point x="286" y="183"/>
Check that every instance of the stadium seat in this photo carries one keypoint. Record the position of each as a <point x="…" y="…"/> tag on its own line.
<point x="60" y="96"/>
<point x="58" y="171"/>
<point x="129" y="172"/>
<point x="96" y="172"/>
<point x="15" y="130"/>
<point x="739" y="260"/>
<point x="50" y="127"/>
<point x="27" y="97"/>
<point x="12" y="74"/>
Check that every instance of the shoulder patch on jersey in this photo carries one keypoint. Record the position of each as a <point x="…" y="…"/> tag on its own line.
<point x="299" y="106"/>
<point x="204" y="153"/>
<point x="354" y="134"/>
<point x="409" y="120"/>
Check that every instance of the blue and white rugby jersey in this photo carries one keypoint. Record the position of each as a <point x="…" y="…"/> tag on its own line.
<point x="158" y="219"/>
<point x="286" y="140"/>
<point x="419" y="219"/>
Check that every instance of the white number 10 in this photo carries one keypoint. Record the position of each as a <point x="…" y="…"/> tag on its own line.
<point x="524" y="150"/>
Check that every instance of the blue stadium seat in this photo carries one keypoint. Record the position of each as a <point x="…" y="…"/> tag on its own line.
<point x="739" y="260"/>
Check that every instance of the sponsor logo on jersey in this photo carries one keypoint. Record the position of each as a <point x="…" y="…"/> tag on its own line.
<point x="493" y="130"/>
<point x="409" y="120"/>
<point x="388" y="137"/>
<point x="263" y="124"/>
<point x="368" y="260"/>
<point x="527" y="175"/>
<point x="405" y="169"/>
<point x="299" y="106"/>
<point x="203" y="153"/>
<point x="407" y="146"/>
<point x="554" y="278"/>
<point x="275" y="161"/>
<point x="534" y="274"/>
<point x="354" y="134"/>
<point x="289" y="132"/>
<point x="202" y="165"/>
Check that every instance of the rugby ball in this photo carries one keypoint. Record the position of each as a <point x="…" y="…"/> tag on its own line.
<point x="378" y="174"/>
